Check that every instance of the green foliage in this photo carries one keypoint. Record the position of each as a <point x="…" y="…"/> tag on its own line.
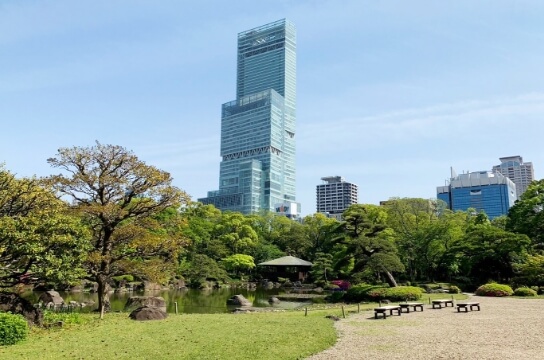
<point x="13" y="328"/>
<point x="531" y="271"/>
<point x="454" y="290"/>
<point x="127" y="204"/>
<point x="360" y="292"/>
<point x="494" y="289"/>
<point x="201" y="268"/>
<point x="527" y="214"/>
<point x="238" y="263"/>
<point x="336" y="296"/>
<point x="52" y="317"/>
<point x="399" y="293"/>
<point x="37" y="235"/>
<point x="525" y="291"/>
<point x="127" y="278"/>
<point x="322" y="269"/>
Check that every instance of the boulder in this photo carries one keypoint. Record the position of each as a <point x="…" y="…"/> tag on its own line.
<point x="151" y="286"/>
<point x="274" y="300"/>
<point x="140" y="301"/>
<point x="11" y="302"/>
<point x="238" y="300"/>
<point x="51" y="296"/>
<point x="148" y="313"/>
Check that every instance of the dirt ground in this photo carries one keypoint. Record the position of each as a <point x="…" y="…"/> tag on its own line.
<point x="505" y="328"/>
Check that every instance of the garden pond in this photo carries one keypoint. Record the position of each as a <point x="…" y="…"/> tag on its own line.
<point x="189" y="301"/>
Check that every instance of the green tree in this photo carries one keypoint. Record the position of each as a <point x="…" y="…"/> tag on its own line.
<point x="318" y="231"/>
<point x="118" y="196"/>
<point x="531" y="271"/>
<point x="201" y="268"/>
<point x="322" y="269"/>
<point x="235" y="232"/>
<point x="489" y="253"/>
<point x="367" y="242"/>
<point x="39" y="240"/>
<point x="527" y="214"/>
<point x="239" y="263"/>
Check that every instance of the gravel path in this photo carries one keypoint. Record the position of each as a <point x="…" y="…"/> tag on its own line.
<point x="505" y="328"/>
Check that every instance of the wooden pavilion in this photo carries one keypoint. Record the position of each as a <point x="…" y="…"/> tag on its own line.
<point x="288" y="267"/>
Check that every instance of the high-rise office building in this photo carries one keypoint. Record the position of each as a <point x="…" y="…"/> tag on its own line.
<point x="516" y="170"/>
<point x="257" y="170"/>
<point x="335" y="195"/>
<point x="485" y="191"/>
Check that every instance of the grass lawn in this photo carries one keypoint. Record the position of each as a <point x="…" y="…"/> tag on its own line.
<point x="273" y="335"/>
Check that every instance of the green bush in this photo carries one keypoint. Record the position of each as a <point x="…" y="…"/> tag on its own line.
<point x="494" y="289"/>
<point x="359" y="292"/>
<point x="127" y="278"/>
<point x="330" y="286"/>
<point x="403" y="293"/>
<point x="454" y="290"/>
<point x="376" y="293"/>
<point x="335" y="297"/>
<point x="13" y="328"/>
<point x="524" y="291"/>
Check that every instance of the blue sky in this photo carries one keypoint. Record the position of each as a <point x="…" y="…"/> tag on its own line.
<point x="390" y="93"/>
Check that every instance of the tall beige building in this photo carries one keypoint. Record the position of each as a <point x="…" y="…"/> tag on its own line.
<point x="516" y="170"/>
<point x="335" y="195"/>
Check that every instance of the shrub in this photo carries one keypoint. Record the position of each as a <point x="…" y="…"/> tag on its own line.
<point x="13" y="328"/>
<point x="536" y="289"/>
<point x="335" y="297"/>
<point x="403" y="293"/>
<point x="454" y="290"/>
<point x="494" y="289"/>
<point x="360" y="292"/>
<point x="524" y="291"/>
<point x="331" y="287"/>
<point x="377" y="293"/>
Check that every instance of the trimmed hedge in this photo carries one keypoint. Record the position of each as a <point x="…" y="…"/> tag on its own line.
<point x="454" y="290"/>
<point x="359" y="292"/>
<point x="13" y="328"/>
<point x="364" y="292"/>
<point x="494" y="289"/>
<point x="524" y="291"/>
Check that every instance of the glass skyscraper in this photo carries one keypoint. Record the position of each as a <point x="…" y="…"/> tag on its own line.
<point x="257" y="170"/>
<point x="485" y="191"/>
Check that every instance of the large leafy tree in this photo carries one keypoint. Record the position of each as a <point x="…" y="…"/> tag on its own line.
<point x="119" y="197"/>
<point x="367" y="243"/>
<point x="527" y="214"/>
<point x="489" y="253"/>
<point x="39" y="240"/>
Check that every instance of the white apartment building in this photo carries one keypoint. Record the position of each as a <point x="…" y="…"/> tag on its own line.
<point x="335" y="195"/>
<point x="516" y="170"/>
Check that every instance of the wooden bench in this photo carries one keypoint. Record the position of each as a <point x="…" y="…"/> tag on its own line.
<point x="407" y="306"/>
<point x="467" y="305"/>
<point x="441" y="302"/>
<point x="382" y="310"/>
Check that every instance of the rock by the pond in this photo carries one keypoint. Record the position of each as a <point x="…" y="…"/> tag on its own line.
<point x="51" y="296"/>
<point x="11" y="302"/>
<point x="274" y="300"/>
<point x="239" y="300"/>
<point x="148" y="313"/>
<point x="139" y="301"/>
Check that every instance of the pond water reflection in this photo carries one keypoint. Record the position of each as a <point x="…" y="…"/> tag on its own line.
<point x="190" y="301"/>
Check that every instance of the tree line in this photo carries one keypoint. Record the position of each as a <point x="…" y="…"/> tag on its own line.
<point x="107" y="213"/>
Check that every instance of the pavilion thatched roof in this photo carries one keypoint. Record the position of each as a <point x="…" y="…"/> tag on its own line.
<point x="286" y="261"/>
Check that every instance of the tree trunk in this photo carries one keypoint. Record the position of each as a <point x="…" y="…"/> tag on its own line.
<point x="390" y="279"/>
<point x="103" y="297"/>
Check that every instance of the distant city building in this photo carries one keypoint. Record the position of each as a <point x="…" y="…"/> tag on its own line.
<point x="335" y="195"/>
<point x="516" y="170"/>
<point x="257" y="170"/>
<point x="482" y="190"/>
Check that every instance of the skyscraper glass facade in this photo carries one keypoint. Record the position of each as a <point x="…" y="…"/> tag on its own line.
<point x="257" y="169"/>
<point x="485" y="191"/>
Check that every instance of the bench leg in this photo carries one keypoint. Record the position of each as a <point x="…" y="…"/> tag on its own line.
<point x="474" y="306"/>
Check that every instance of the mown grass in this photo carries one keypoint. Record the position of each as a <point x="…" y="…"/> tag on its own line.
<point x="277" y="335"/>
